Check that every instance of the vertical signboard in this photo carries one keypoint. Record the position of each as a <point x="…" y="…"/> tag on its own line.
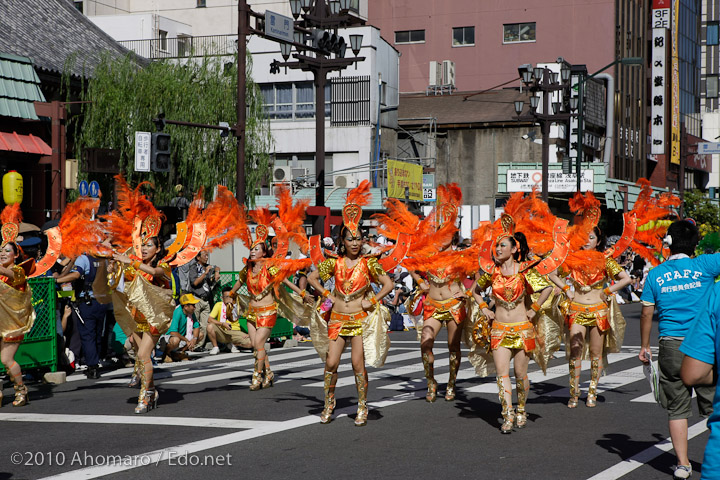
<point x="142" y="151"/>
<point x="658" y="97"/>
<point x="675" y="89"/>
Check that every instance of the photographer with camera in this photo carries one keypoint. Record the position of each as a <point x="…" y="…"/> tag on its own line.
<point x="88" y="314"/>
<point x="203" y="280"/>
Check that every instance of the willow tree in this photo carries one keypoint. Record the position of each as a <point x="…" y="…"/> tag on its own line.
<point x="124" y="97"/>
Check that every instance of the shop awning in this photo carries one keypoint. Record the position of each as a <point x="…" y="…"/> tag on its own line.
<point x="14" y="142"/>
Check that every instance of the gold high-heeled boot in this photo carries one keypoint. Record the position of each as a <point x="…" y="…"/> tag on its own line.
<point x="135" y="379"/>
<point x="362" y="411"/>
<point x="574" y="367"/>
<point x="432" y="385"/>
<point x="330" y="380"/>
<point x="144" y="382"/>
<point x="505" y="396"/>
<point x="595" y="371"/>
<point x="269" y="375"/>
<point x="523" y="387"/>
<point x="454" y="367"/>
<point x="256" y="383"/>
<point x="21" y="391"/>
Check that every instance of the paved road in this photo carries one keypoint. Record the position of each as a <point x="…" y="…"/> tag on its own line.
<point x="210" y="425"/>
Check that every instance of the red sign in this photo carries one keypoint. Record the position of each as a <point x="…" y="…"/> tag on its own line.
<point x="661" y="4"/>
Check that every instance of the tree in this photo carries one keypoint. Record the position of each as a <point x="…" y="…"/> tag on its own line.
<point x="701" y="209"/>
<point x="123" y="97"/>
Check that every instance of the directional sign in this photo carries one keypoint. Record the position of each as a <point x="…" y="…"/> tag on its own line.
<point x="708" y="148"/>
<point x="83" y="188"/>
<point x="94" y="189"/>
<point x="279" y="26"/>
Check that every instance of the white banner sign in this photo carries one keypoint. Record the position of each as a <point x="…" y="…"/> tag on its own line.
<point x="525" y="180"/>
<point x="142" y="151"/>
<point x="658" y="93"/>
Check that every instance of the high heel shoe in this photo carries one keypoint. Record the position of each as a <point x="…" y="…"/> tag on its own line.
<point x="431" y="394"/>
<point x="329" y="384"/>
<point x="362" y="411"/>
<point x="21" y="396"/>
<point x="269" y="379"/>
<point x="148" y="402"/>
<point x="508" y="421"/>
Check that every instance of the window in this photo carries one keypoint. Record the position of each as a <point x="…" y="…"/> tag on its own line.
<point x="410" y="36"/>
<point x="463" y="36"/>
<point x="292" y="101"/>
<point x="712" y="86"/>
<point x="712" y="33"/>
<point x="163" y="40"/>
<point x="79" y="6"/>
<point x="519" y="32"/>
<point x="200" y="4"/>
<point x="184" y="44"/>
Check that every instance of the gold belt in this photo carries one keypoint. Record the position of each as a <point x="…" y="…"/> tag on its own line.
<point x="261" y="295"/>
<point x="510" y="305"/>
<point x="580" y="307"/>
<point x="349" y="297"/>
<point x="348" y="317"/>
<point x="262" y="309"/>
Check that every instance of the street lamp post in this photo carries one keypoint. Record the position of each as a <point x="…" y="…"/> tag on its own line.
<point x="311" y="19"/>
<point x="545" y="81"/>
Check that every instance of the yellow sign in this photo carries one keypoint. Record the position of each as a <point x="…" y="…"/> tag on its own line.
<point x="402" y="175"/>
<point x="675" y="90"/>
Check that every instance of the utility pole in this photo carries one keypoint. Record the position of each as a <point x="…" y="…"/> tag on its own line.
<point x="243" y="20"/>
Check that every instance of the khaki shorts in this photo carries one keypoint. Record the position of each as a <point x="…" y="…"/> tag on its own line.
<point x="675" y="397"/>
<point x="236" y="337"/>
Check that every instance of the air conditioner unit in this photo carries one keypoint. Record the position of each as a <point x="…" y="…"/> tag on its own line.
<point x="345" y="181"/>
<point x="282" y="174"/>
<point x="435" y="74"/>
<point x="448" y="72"/>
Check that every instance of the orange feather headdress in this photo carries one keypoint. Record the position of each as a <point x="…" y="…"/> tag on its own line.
<point x="222" y="219"/>
<point x="289" y="224"/>
<point x="449" y="201"/>
<point x="135" y="218"/>
<point x="80" y="232"/>
<point x="11" y="217"/>
<point x="356" y="198"/>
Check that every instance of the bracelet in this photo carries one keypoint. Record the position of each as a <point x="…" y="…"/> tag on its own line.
<point x="483" y="305"/>
<point x="326" y="293"/>
<point x="469" y="293"/>
<point x="136" y="265"/>
<point x="303" y="293"/>
<point x="373" y="300"/>
<point x="607" y="291"/>
<point x="566" y="288"/>
<point x="535" y="307"/>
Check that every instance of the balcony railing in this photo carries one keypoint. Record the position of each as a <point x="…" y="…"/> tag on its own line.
<point x="183" y="46"/>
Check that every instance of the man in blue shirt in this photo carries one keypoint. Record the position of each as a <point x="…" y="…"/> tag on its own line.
<point x="677" y="288"/>
<point x="702" y="349"/>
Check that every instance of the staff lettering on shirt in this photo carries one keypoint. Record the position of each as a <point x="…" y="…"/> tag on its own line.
<point x="669" y="276"/>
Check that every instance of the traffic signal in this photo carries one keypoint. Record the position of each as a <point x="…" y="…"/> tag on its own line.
<point x="160" y="152"/>
<point x="329" y="43"/>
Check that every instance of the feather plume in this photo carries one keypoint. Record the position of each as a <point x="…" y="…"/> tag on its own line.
<point x="130" y="203"/>
<point x="222" y="219"/>
<point x="359" y="195"/>
<point x="80" y="233"/>
<point x="291" y="217"/>
<point x="11" y="214"/>
<point x="195" y="211"/>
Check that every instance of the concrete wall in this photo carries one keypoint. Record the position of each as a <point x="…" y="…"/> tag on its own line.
<point x="581" y="31"/>
<point x="140" y="27"/>
<point x="470" y="157"/>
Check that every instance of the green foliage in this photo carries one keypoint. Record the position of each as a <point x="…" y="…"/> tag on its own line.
<point x="124" y="98"/>
<point x="700" y="208"/>
<point x="709" y="244"/>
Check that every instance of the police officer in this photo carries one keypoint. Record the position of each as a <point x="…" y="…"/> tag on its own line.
<point x="88" y="313"/>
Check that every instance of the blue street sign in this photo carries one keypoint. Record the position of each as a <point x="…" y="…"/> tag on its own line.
<point x="94" y="189"/>
<point x="83" y="188"/>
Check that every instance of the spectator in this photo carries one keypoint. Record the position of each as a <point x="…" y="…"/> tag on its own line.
<point x="183" y="332"/>
<point x="702" y="351"/>
<point x="675" y="288"/>
<point x="180" y="202"/>
<point x="224" y="327"/>
<point x="203" y="279"/>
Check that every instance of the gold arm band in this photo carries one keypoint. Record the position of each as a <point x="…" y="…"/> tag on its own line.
<point x="607" y="291"/>
<point x="373" y="300"/>
<point x="535" y="307"/>
<point x="483" y="305"/>
<point x="326" y="293"/>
